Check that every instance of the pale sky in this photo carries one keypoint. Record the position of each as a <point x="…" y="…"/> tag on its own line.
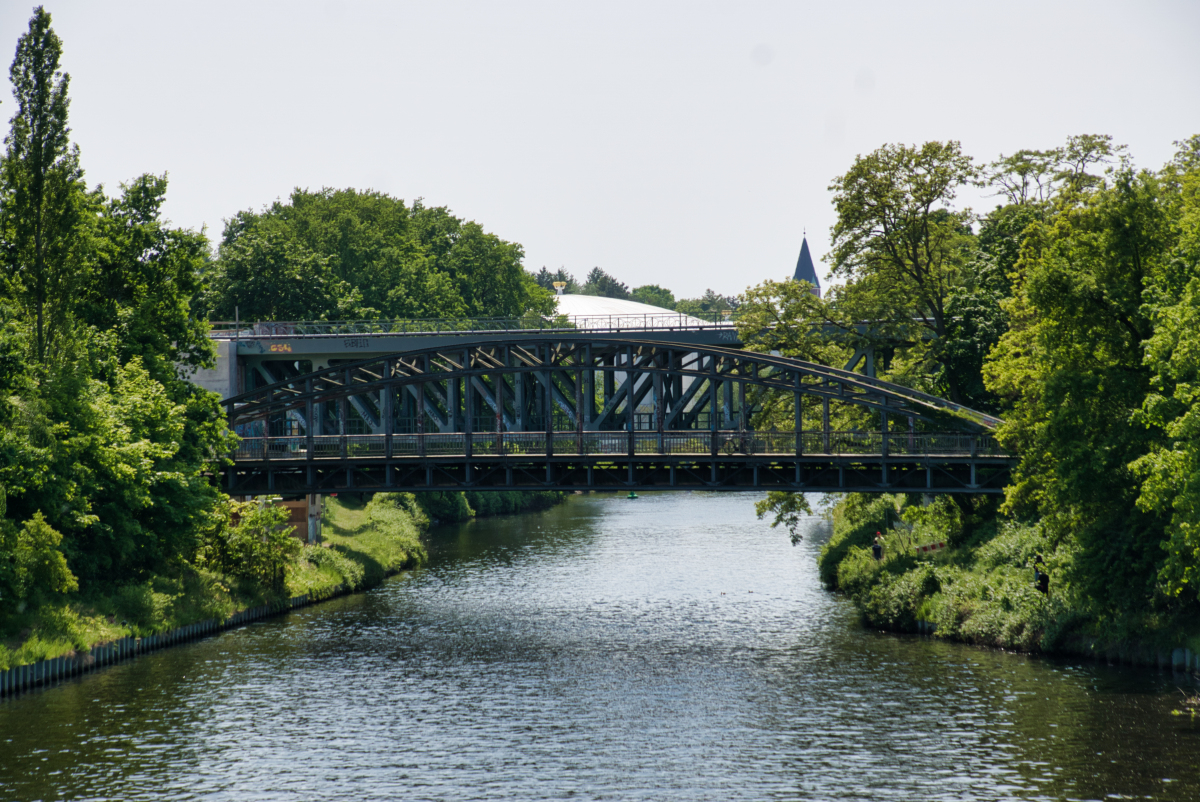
<point x="683" y="144"/>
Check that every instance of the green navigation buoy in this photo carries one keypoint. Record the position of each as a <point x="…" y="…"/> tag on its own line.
<point x="632" y="495"/>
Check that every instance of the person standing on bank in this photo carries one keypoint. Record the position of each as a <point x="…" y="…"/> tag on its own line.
<point x="877" y="546"/>
<point x="1041" y="579"/>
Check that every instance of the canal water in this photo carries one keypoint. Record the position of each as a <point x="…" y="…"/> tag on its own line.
<point x="665" y="648"/>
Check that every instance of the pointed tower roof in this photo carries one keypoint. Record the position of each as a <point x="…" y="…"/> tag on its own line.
<point x="805" y="270"/>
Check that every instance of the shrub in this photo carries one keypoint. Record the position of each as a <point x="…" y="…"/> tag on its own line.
<point x="445" y="507"/>
<point x="856" y="519"/>
<point x="261" y="544"/>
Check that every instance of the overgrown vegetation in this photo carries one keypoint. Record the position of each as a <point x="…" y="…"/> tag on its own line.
<point x="254" y="562"/>
<point x="109" y="521"/>
<point x="1070" y="310"/>
<point x="346" y="255"/>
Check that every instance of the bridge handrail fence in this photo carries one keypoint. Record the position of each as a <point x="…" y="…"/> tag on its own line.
<point x="225" y="329"/>
<point x="617" y="443"/>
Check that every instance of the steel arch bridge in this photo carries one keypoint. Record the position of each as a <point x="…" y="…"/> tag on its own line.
<point x="580" y="412"/>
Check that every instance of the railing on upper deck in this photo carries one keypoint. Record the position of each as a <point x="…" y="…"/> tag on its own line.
<point x="666" y="321"/>
<point x="618" y="444"/>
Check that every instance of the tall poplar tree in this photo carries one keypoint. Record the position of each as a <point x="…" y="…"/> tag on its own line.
<point x="43" y="211"/>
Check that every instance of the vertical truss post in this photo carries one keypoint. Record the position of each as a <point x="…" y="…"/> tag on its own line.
<point x="500" y="405"/>
<point x="727" y="403"/>
<point x="267" y="427"/>
<point x="712" y="409"/>
<point x="658" y="403"/>
<point x="825" y="423"/>
<point x="579" y="413"/>
<point x="519" y="380"/>
<point x="589" y="391"/>
<point x="452" y="404"/>
<point x="609" y="378"/>
<point x="548" y="406"/>
<point x="389" y="412"/>
<point x="798" y="414"/>
<point x="468" y="411"/>
<point x="343" y="410"/>
<point x="421" y="418"/>
<point x="630" y="386"/>
<point x="883" y="427"/>
<point x="743" y="418"/>
<point x="309" y="416"/>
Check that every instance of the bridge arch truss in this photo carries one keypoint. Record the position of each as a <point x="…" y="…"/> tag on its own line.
<point x="582" y="412"/>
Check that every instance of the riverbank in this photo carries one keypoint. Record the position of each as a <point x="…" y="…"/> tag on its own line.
<point x="969" y="577"/>
<point x="365" y="540"/>
<point x="363" y="544"/>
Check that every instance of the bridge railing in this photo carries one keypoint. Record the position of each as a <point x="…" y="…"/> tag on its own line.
<point x="666" y="320"/>
<point x="617" y="444"/>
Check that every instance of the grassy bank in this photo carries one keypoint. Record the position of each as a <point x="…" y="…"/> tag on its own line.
<point x="980" y="588"/>
<point x="364" y="541"/>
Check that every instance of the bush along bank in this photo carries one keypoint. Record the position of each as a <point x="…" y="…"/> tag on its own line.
<point x="980" y="588"/>
<point x="245" y="571"/>
<point x="454" y="507"/>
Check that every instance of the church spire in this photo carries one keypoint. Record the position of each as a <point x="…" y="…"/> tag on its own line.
<point x="805" y="270"/>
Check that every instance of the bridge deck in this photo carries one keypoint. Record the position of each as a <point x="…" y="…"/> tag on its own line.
<point x="683" y="460"/>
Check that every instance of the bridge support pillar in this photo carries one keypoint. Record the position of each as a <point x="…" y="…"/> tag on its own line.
<point x="315" y="502"/>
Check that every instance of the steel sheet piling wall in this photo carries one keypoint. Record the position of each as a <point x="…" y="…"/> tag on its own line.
<point x="46" y="672"/>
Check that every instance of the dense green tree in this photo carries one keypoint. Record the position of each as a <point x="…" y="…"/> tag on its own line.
<point x="45" y="205"/>
<point x="266" y="274"/>
<point x="602" y="284"/>
<point x="654" y="295"/>
<point x="1072" y="374"/>
<point x="899" y="245"/>
<point x="709" y="305"/>
<point x="545" y="279"/>
<point x="31" y="564"/>
<point x="330" y="250"/>
<point x="142" y="279"/>
<point x="1170" y="472"/>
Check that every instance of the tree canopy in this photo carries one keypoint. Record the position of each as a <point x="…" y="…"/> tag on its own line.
<point x="350" y="254"/>
<point x="1071" y="310"/>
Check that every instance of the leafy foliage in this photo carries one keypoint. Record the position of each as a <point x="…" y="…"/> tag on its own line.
<point x="31" y="565"/>
<point x="45" y="206"/>
<point x="601" y="283"/>
<point x="654" y="295"/>
<point x="260" y="544"/>
<point x="318" y="255"/>
<point x="545" y="279"/>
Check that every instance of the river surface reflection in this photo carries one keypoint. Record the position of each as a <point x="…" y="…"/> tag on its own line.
<point x="665" y="648"/>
